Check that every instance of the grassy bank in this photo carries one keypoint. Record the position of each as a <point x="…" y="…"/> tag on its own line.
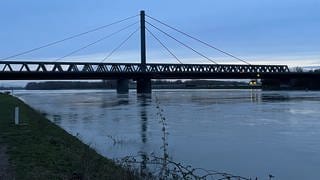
<point x="38" y="149"/>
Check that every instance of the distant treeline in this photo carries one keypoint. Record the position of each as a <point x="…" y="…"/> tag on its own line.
<point x="11" y="88"/>
<point x="157" y="84"/>
<point x="49" y="85"/>
<point x="291" y="84"/>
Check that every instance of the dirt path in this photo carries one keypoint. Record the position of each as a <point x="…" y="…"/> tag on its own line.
<point x="6" y="172"/>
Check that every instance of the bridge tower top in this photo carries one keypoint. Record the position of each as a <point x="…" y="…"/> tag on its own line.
<point x="143" y="40"/>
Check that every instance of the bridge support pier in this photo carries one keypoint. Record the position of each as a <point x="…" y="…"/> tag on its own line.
<point x="144" y="86"/>
<point x="122" y="86"/>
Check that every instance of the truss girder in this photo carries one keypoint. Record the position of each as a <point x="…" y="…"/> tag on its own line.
<point x="57" y="67"/>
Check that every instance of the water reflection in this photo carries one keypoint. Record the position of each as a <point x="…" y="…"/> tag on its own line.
<point x="72" y="115"/>
<point x="56" y="118"/>
<point x="275" y="97"/>
<point x="255" y="96"/>
<point x="111" y="101"/>
<point x="123" y="99"/>
<point x="143" y="102"/>
<point x="150" y="161"/>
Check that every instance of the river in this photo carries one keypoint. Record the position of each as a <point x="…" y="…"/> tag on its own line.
<point x="244" y="132"/>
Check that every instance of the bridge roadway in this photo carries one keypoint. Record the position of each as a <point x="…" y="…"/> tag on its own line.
<point x="34" y="70"/>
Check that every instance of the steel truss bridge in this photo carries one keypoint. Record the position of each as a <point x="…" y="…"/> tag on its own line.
<point x="33" y="70"/>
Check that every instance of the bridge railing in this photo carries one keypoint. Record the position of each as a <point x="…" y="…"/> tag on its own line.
<point x="70" y="67"/>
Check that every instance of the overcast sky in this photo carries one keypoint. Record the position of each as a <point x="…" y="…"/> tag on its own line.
<point x="259" y="31"/>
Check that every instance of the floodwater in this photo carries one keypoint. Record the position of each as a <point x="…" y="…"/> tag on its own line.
<point x="244" y="132"/>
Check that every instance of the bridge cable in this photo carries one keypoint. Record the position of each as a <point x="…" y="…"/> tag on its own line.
<point x="68" y="38"/>
<point x="173" y="55"/>
<point x="97" y="41"/>
<point x="196" y="39"/>
<point x="120" y="45"/>
<point x="182" y="43"/>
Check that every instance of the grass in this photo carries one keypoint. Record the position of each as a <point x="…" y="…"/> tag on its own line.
<point x="39" y="149"/>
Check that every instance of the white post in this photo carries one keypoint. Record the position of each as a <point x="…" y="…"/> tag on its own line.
<point x="16" y="115"/>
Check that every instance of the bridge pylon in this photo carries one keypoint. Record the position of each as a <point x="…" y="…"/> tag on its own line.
<point x="123" y="86"/>
<point x="143" y="84"/>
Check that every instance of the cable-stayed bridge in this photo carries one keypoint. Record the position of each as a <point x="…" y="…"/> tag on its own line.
<point x="142" y="72"/>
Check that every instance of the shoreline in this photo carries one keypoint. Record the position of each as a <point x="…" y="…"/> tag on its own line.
<point x="39" y="149"/>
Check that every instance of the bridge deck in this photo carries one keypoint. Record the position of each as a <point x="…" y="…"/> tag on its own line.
<point x="34" y="66"/>
<point x="33" y="70"/>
